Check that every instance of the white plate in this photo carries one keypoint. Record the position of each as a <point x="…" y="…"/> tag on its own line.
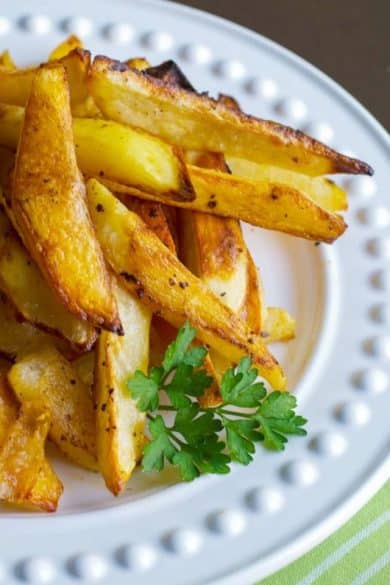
<point x="238" y="528"/>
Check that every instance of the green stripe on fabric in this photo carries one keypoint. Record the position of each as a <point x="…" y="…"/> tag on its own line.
<point x="372" y="518"/>
<point x="365" y="553"/>
<point x="373" y="570"/>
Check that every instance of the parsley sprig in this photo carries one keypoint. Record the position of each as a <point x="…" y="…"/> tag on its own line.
<point x="207" y="440"/>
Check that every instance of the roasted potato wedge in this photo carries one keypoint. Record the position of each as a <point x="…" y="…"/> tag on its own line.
<point x="268" y="205"/>
<point x="6" y="61"/>
<point x="120" y="426"/>
<point x="15" y="85"/>
<point x="17" y="338"/>
<point x="32" y="297"/>
<point x="322" y="191"/>
<point x="47" y="379"/>
<point x="85" y="366"/>
<point x="131" y="156"/>
<point x="69" y="44"/>
<point x="9" y="408"/>
<point x="158" y="278"/>
<point x="117" y="152"/>
<point x="278" y="325"/>
<point x="196" y="122"/>
<point x="48" y="203"/>
<point x="26" y="477"/>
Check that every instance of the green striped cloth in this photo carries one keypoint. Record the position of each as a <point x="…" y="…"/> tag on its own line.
<point x="357" y="554"/>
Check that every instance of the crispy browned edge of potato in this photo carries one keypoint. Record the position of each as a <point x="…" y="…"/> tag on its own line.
<point x="205" y="105"/>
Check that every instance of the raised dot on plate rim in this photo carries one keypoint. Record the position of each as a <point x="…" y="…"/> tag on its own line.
<point x="264" y="499"/>
<point x="5" y="25"/>
<point x="38" y="24"/>
<point x="88" y="566"/>
<point x="378" y="346"/>
<point x="328" y="443"/>
<point x="119" y="32"/>
<point x="39" y="570"/>
<point x="379" y="247"/>
<point x="230" y="522"/>
<point x="196" y="54"/>
<point x="78" y="25"/>
<point x="300" y="472"/>
<point x="182" y="541"/>
<point x="231" y="68"/>
<point x="380" y="313"/>
<point x="372" y="380"/>
<point x="380" y="279"/>
<point x="140" y="557"/>
<point x="378" y="217"/>
<point x="354" y="412"/>
<point x="361" y="186"/>
<point x="293" y="108"/>
<point x="266" y="88"/>
<point x="158" y="40"/>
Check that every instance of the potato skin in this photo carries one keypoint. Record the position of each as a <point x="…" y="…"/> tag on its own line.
<point x="48" y="202"/>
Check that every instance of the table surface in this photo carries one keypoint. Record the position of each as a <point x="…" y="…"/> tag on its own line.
<point x="347" y="39"/>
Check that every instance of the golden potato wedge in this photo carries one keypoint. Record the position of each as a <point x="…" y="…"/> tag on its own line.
<point x="32" y="297"/>
<point x="15" y="85"/>
<point x="65" y="47"/>
<point x="17" y="338"/>
<point x="322" y="191"/>
<point x="196" y="122"/>
<point x="48" y="202"/>
<point x="131" y="156"/>
<point x="158" y="278"/>
<point x="85" y="366"/>
<point x="9" y="408"/>
<point x="6" y="61"/>
<point x="120" y="426"/>
<point x="278" y="326"/>
<point x="47" y="379"/>
<point x="124" y="154"/>
<point x="26" y="477"/>
<point x="268" y="205"/>
<point x="11" y="120"/>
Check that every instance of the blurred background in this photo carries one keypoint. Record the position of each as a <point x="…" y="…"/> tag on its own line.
<point x="347" y="39"/>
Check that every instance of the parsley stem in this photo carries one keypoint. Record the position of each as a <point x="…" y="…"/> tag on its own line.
<point x="223" y="411"/>
<point x="167" y="408"/>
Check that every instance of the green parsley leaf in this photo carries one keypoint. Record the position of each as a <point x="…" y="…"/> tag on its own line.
<point x="238" y="388"/>
<point x="159" y="448"/>
<point x="176" y="351"/>
<point x="241" y="435"/>
<point x="185" y="461"/>
<point x="145" y="390"/>
<point x="277" y="419"/>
